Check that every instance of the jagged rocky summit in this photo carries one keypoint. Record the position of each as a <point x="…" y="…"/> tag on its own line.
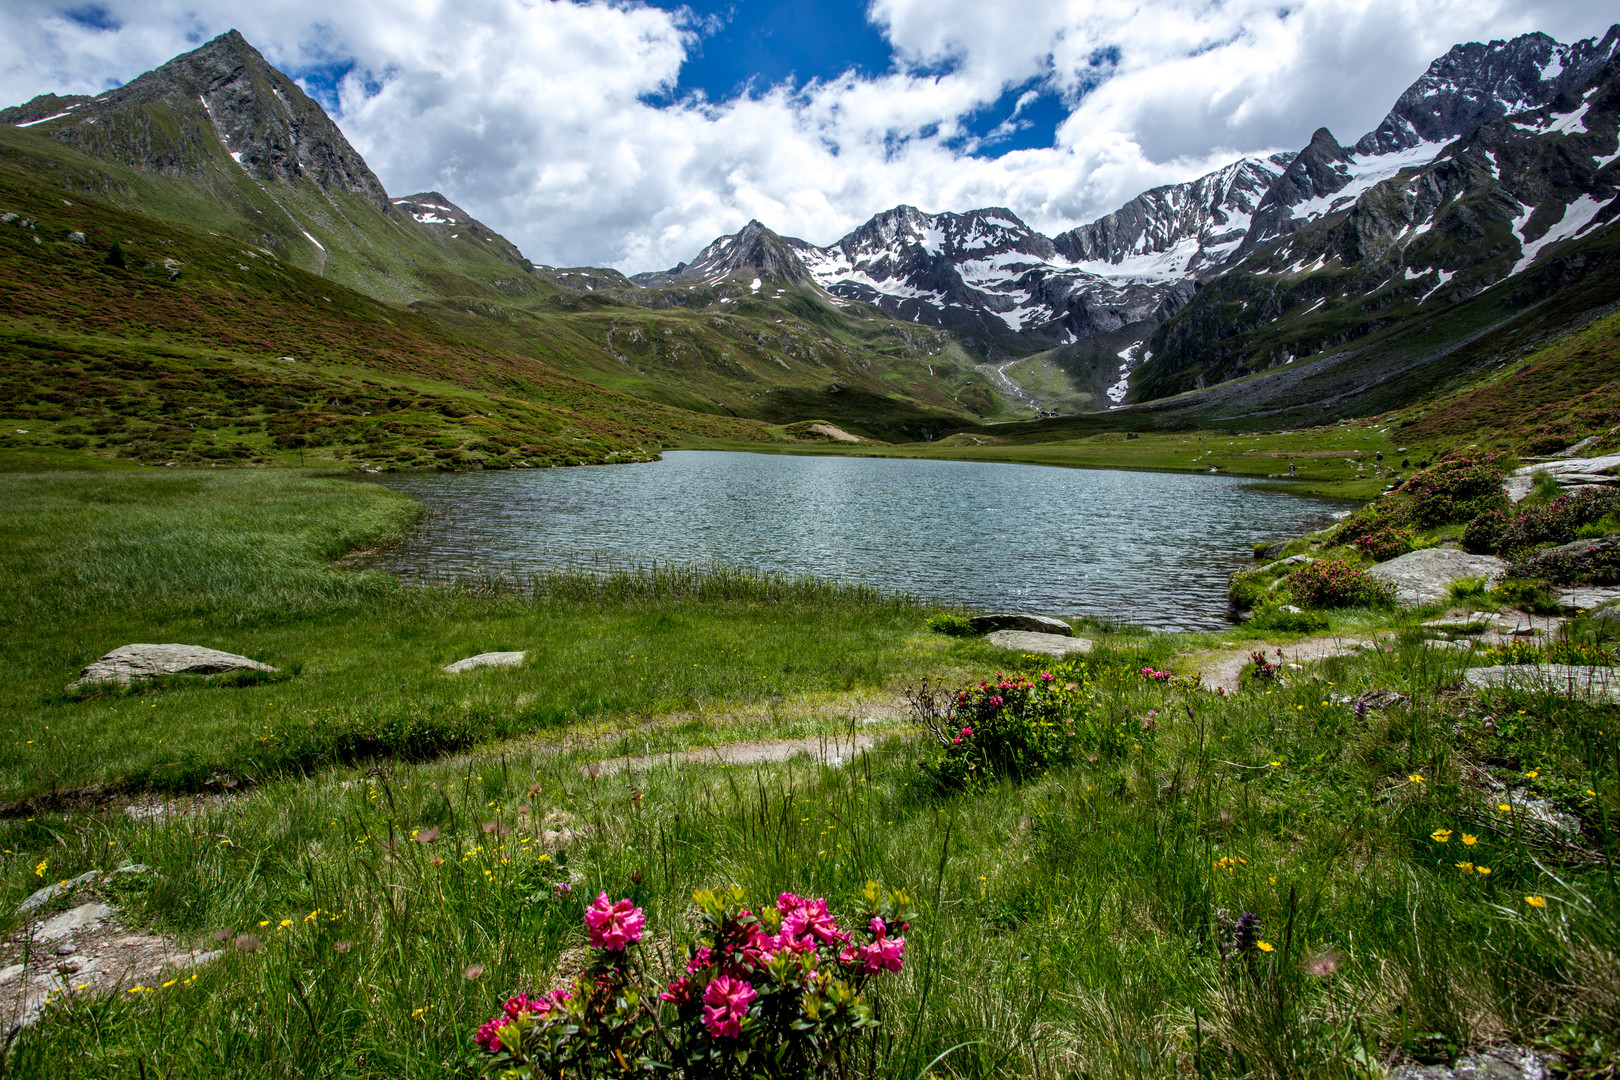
<point x="985" y="273"/>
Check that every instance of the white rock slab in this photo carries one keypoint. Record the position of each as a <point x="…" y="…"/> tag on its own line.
<point x="487" y="659"/>
<point x="1425" y="576"/>
<point x="1587" y="596"/>
<point x="133" y="663"/>
<point x="68" y="923"/>
<point x="1049" y="644"/>
<point x="1568" y="679"/>
<point x="41" y="897"/>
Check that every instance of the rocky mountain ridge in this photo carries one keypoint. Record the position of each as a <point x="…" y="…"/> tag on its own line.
<point x="988" y="276"/>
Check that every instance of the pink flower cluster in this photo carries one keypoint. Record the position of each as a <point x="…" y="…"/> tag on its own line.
<point x="614" y="924"/>
<point x="725" y="1004"/>
<point x="489" y="1032"/>
<point x="1156" y="676"/>
<point x="967" y="733"/>
<point x="884" y="954"/>
<point x="806" y="925"/>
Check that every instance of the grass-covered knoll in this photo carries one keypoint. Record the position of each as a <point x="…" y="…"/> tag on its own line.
<point x="242" y="561"/>
<point x="1080" y="923"/>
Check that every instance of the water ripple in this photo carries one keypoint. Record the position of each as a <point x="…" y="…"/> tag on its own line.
<point x="1149" y="548"/>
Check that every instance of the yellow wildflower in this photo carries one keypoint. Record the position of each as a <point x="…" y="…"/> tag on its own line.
<point x="1536" y="901"/>
<point x="1440" y="836"/>
<point x="1469" y="839"/>
<point x="1265" y="946"/>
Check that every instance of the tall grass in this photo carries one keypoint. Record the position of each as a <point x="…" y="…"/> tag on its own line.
<point x="243" y="561"/>
<point x="1070" y="926"/>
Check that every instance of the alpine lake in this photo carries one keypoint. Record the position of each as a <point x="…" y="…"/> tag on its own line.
<point x="1151" y="549"/>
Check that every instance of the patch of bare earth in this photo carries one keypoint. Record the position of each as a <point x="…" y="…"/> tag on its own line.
<point x="86" y="951"/>
<point x="1222" y="668"/>
<point x="832" y="431"/>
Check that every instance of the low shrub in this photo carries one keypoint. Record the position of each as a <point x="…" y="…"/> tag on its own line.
<point x="1374" y="518"/>
<point x="776" y="995"/>
<point x="1558" y="521"/>
<point x="1582" y="562"/>
<point x="1334" y="583"/>
<point x="1385" y="543"/>
<point x="1457" y="489"/>
<point x="1247" y="589"/>
<point x="1485" y="533"/>
<point x="950" y="624"/>
<point x="1012" y="728"/>
<point x="1530" y="594"/>
<point x="1289" y="622"/>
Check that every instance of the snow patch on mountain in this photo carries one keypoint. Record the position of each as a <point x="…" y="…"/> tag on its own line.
<point x="1578" y="216"/>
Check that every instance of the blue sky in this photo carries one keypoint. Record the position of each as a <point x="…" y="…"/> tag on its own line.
<point x="747" y="47"/>
<point x="630" y="133"/>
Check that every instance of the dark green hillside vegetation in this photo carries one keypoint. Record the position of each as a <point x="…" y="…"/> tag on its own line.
<point x="198" y="349"/>
<point x="1552" y="399"/>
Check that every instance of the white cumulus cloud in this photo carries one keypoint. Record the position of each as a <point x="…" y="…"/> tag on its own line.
<point x="555" y="121"/>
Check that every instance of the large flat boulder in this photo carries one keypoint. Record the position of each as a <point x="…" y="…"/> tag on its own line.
<point x="1425" y="577"/>
<point x="1049" y="644"/>
<point x="137" y="663"/>
<point x="486" y="659"/>
<point x="1034" y="624"/>
<point x="1573" y="680"/>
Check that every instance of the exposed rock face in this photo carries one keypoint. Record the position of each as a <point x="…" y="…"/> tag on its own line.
<point x="1477" y="82"/>
<point x="1035" y="624"/>
<point x="1502" y="1063"/>
<point x="133" y="663"/>
<point x="1425" y="577"/>
<point x="170" y="119"/>
<point x="1049" y="644"/>
<point x="1202" y="221"/>
<point x="488" y="659"/>
<point x="1349" y="241"/>
<point x="1573" y="680"/>
<point x="755" y="251"/>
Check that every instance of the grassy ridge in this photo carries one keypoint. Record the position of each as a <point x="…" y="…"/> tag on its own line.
<point x="240" y="561"/>
<point x="178" y="355"/>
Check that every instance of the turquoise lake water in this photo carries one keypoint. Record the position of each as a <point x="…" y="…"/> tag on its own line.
<point x="1148" y="548"/>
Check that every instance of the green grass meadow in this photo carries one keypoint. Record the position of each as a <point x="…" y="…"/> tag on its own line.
<point x="1069" y="926"/>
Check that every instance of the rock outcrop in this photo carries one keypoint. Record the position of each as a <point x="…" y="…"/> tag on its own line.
<point x="1047" y="644"/>
<point x="136" y="663"/>
<point x="488" y="659"/>
<point x="1035" y="624"/>
<point x="1425" y="577"/>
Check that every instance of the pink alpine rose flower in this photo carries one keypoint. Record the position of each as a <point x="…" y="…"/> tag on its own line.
<point x="885" y="953"/>
<point x="614" y="925"/>
<point x="801" y="916"/>
<point x="725" y="1003"/>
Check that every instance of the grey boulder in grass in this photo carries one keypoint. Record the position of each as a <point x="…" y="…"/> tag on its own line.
<point x="486" y="659"/>
<point x="1425" y="576"/>
<point x="136" y="663"/>
<point x="1049" y="644"/>
<point x="1034" y="624"/>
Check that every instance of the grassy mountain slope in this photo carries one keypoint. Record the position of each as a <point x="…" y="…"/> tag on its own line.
<point x="200" y="349"/>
